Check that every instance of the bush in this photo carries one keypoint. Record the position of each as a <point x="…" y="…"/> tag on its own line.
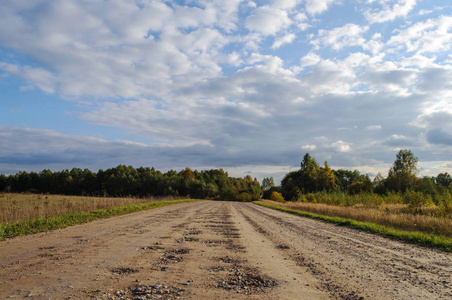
<point x="417" y="199"/>
<point x="244" y="197"/>
<point x="275" y="196"/>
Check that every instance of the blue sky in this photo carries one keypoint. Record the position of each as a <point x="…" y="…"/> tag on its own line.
<point x="247" y="86"/>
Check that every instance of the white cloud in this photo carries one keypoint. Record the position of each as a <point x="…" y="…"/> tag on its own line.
<point x="301" y="19"/>
<point x="400" y="8"/>
<point x="309" y="147"/>
<point x="287" y="39"/>
<point x="433" y="35"/>
<point x="310" y="60"/>
<point x="268" y="21"/>
<point x="346" y="36"/>
<point x="341" y="146"/>
<point x="314" y="7"/>
<point x="329" y="77"/>
<point x="38" y="77"/>
<point x="284" y="4"/>
<point x="373" y="127"/>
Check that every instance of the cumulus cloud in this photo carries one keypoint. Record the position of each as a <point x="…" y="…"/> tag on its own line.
<point x="268" y="21"/>
<point x="214" y="83"/>
<point x="309" y="147"/>
<point x="286" y="39"/>
<point x="399" y="9"/>
<point x="338" y="38"/>
<point x="314" y="7"/>
<point x="341" y="146"/>
<point x="429" y="36"/>
<point x="107" y="54"/>
<point x="438" y="125"/>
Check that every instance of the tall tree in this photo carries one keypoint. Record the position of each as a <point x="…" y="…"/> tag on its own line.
<point x="309" y="174"/>
<point x="443" y="179"/>
<point x="402" y="175"/>
<point x="267" y="183"/>
<point x="325" y="180"/>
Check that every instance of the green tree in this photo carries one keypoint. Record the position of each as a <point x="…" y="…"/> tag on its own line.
<point x="309" y="174"/>
<point x="267" y="183"/>
<point x="290" y="185"/>
<point x="443" y="179"/>
<point x="402" y="175"/>
<point x="325" y="178"/>
<point x="3" y="182"/>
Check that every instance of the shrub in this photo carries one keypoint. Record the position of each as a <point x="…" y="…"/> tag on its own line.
<point x="275" y="196"/>
<point x="417" y="199"/>
<point x="244" y="197"/>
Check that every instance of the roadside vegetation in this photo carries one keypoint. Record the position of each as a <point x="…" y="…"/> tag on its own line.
<point x="401" y="205"/>
<point x="68" y="211"/>
<point x="416" y="237"/>
<point x="22" y="207"/>
<point x="398" y="216"/>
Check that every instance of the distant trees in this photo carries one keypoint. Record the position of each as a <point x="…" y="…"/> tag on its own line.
<point x="128" y="181"/>
<point x="309" y="178"/>
<point x="402" y="178"/>
<point x="217" y="184"/>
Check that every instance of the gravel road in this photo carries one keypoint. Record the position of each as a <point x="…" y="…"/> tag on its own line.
<point x="218" y="250"/>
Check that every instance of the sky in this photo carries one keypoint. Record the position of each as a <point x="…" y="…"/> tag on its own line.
<point x="247" y="86"/>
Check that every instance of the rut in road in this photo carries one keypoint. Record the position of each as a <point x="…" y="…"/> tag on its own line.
<point x="223" y="250"/>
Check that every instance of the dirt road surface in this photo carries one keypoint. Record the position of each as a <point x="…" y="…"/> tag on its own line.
<point x="218" y="250"/>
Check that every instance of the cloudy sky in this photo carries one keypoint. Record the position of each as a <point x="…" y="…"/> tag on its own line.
<point x="248" y="86"/>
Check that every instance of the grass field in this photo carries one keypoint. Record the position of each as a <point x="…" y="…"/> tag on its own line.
<point x="397" y="216"/>
<point x="388" y="220"/>
<point x="22" y="214"/>
<point x="21" y="207"/>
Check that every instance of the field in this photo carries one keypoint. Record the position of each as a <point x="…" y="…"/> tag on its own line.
<point x="27" y="214"/>
<point x="21" y="207"/>
<point x="398" y="216"/>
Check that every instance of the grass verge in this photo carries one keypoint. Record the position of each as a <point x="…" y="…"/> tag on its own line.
<point x="415" y="237"/>
<point x="10" y="230"/>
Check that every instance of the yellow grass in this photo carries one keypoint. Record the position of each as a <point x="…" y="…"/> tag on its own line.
<point x="21" y="207"/>
<point x="396" y="216"/>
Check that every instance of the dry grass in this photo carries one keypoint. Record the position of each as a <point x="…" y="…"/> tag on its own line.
<point x="395" y="216"/>
<point x="21" y="207"/>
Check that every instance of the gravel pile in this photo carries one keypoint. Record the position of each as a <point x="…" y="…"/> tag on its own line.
<point x="143" y="292"/>
<point x="247" y="281"/>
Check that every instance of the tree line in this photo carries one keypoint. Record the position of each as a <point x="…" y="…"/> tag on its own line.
<point x="402" y="178"/>
<point x="217" y="184"/>
<point x="141" y="182"/>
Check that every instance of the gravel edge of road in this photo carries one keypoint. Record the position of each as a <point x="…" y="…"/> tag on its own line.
<point x="417" y="238"/>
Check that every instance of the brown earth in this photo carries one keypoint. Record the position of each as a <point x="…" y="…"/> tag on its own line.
<point x="218" y="250"/>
